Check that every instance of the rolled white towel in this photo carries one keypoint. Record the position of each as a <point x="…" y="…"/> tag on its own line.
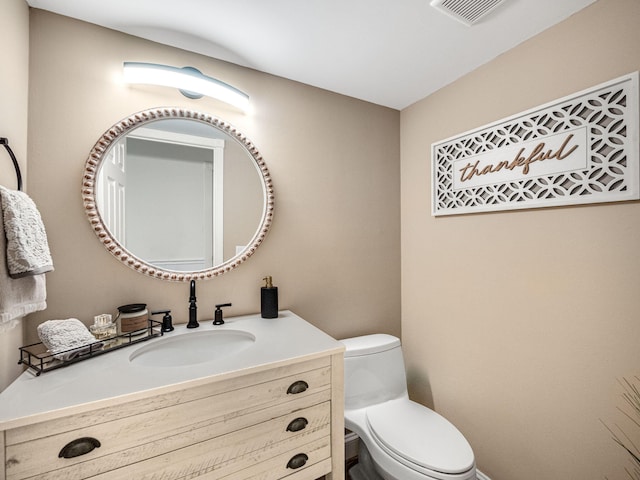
<point x="66" y="339"/>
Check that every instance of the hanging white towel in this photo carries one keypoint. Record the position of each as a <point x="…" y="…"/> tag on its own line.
<point x="19" y="296"/>
<point x="27" y="247"/>
<point x="66" y="339"/>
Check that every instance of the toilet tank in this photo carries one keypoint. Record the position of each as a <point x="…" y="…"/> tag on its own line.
<point x="373" y="370"/>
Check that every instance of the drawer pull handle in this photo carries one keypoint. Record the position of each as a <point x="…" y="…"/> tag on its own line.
<point x="298" y="387"/>
<point x="297" y="461"/>
<point x="79" y="446"/>
<point x="297" y="424"/>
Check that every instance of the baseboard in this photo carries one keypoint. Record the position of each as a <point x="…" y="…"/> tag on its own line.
<point x="481" y="476"/>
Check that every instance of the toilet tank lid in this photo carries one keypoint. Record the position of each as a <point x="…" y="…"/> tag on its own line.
<point x="368" y="344"/>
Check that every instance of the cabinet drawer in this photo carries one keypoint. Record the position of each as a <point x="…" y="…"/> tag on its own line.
<point x="181" y="397"/>
<point x="227" y="455"/>
<point x="152" y="433"/>
<point x="272" y="467"/>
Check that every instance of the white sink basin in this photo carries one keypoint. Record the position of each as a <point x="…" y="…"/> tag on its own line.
<point x="192" y="348"/>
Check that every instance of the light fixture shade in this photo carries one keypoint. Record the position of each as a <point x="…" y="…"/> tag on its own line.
<point x="191" y="82"/>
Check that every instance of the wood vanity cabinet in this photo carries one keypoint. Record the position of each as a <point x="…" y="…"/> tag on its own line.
<point x="268" y="423"/>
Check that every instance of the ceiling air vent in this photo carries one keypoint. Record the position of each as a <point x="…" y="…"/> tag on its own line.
<point x="466" y="11"/>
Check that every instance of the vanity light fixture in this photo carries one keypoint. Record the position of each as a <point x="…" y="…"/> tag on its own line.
<point x="189" y="80"/>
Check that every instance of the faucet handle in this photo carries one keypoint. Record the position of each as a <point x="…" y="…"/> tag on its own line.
<point x="167" y="325"/>
<point x="217" y="315"/>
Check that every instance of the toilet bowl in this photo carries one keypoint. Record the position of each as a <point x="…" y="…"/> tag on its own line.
<point x="399" y="439"/>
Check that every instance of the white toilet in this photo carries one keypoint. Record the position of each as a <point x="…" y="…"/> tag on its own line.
<point x="399" y="439"/>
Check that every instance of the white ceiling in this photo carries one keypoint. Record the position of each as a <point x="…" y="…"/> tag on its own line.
<point x="389" y="52"/>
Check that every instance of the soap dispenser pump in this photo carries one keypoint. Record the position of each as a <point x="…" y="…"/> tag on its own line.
<point x="269" y="299"/>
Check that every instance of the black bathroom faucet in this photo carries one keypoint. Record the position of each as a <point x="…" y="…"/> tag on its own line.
<point x="193" y="309"/>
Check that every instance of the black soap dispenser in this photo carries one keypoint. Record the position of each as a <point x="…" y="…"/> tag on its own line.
<point x="269" y="299"/>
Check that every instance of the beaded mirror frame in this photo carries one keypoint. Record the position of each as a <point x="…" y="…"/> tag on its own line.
<point x="113" y="246"/>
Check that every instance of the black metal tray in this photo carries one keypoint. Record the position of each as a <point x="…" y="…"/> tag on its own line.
<point x="39" y="359"/>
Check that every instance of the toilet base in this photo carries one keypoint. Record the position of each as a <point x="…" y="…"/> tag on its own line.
<point x="367" y="469"/>
<point x="364" y="469"/>
<point x="356" y="473"/>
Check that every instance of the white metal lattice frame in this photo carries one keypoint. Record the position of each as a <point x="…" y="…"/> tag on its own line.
<point x="606" y="114"/>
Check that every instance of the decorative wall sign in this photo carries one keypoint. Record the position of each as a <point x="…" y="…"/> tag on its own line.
<point x="579" y="149"/>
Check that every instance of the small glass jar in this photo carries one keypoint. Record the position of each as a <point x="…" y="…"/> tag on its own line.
<point x="103" y="327"/>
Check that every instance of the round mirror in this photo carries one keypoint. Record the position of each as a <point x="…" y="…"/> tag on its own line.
<point x="177" y="194"/>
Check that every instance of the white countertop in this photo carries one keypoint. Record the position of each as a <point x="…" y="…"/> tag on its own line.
<point x="79" y="386"/>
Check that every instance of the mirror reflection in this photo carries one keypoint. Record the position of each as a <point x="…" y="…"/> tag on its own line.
<point x="178" y="195"/>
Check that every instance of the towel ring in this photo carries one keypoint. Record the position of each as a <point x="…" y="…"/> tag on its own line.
<point x="5" y="141"/>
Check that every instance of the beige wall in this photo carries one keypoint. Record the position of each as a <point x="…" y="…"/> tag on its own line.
<point x="516" y="325"/>
<point x="14" y="84"/>
<point x="334" y="247"/>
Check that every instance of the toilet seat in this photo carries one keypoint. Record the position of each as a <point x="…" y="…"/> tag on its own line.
<point x="419" y="438"/>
